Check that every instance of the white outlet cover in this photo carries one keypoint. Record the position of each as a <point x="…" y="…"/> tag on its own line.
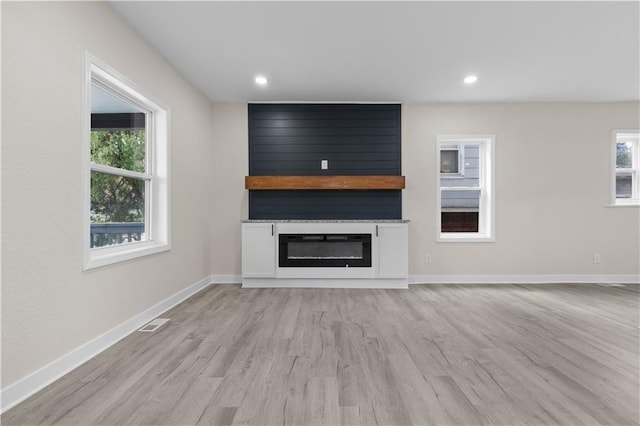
<point x="324" y="164"/>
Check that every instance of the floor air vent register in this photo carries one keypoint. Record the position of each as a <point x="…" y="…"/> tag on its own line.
<point x="154" y="325"/>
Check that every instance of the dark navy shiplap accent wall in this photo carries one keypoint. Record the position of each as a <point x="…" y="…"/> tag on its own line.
<point x="291" y="139"/>
<point x="356" y="139"/>
<point x="325" y="205"/>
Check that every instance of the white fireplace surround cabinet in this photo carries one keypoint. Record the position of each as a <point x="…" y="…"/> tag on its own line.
<point x="389" y="254"/>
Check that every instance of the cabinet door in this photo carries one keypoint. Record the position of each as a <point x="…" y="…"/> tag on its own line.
<point x="258" y="250"/>
<point x="392" y="250"/>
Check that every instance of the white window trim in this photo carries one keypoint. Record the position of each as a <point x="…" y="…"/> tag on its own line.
<point x="157" y="214"/>
<point x="634" y="201"/>
<point x="487" y="184"/>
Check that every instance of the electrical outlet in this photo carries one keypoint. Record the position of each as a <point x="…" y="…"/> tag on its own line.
<point x="324" y="164"/>
<point x="427" y="259"/>
<point x="596" y="258"/>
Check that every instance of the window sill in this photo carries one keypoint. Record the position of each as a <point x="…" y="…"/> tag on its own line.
<point x="464" y="237"/>
<point x="631" y="204"/>
<point x="99" y="257"/>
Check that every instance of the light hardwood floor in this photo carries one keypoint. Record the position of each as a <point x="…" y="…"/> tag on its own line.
<point x="472" y="354"/>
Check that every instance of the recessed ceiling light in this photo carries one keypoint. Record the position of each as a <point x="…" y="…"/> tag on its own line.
<point x="470" y="79"/>
<point x="261" y="80"/>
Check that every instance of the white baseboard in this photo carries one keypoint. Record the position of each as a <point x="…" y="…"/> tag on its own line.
<point x="24" y="388"/>
<point x="525" y="279"/>
<point x="378" y="283"/>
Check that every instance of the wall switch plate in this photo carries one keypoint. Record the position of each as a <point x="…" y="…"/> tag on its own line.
<point x="596" y="258"/>
<point x="427" y="259"/>
<point x="324" y="164"/>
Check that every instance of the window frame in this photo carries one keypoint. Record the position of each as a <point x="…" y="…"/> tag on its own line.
<point x="156" y="174"/>
<point x="634" y="171"/>
<point x="486" y="210"/>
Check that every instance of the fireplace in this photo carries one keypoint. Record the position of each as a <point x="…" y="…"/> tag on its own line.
<point x="325" y="250"/>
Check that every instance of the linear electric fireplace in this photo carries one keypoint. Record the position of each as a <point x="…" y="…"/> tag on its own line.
<point x="325" y="250"/>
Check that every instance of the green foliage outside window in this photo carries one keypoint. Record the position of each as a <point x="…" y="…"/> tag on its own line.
<point x="117" y="198"/>
<point x="624" y="157"/>
<point x="121" y="148"/>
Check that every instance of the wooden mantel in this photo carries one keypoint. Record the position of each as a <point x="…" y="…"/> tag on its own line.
<point x="266" y="183"/>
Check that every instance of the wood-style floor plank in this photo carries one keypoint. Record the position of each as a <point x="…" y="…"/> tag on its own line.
<point x="435" y="354"/>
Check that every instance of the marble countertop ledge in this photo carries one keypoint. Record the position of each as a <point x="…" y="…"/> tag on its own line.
<point x="326" y="221"/>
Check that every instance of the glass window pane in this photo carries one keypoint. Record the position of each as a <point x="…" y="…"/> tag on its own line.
<point x="469" y="176"/>
<point x="117" y="209"/>
<point x="449" y="161"/>
<point x="325" y="250"/>
<point x="118" y="136"/>
<point x="624" y="155"/>
<point x="124" y="149"/>
<point x="460" y="211"/>
<point x="624" y="186"/>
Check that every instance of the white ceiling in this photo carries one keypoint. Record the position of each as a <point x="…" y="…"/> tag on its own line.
<point x="398" y="51"/>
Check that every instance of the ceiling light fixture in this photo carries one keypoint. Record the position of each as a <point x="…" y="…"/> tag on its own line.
<point x="261" y="80"/>
<point x="470" y="79"/>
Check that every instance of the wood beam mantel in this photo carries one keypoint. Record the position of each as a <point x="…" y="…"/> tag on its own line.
<point x="266" y="183"/>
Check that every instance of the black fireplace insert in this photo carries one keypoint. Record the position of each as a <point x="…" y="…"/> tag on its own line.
<point x="325" y="250"/>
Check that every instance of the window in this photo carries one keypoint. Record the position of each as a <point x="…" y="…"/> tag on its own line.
<point x="626" y="175"/>
<point x="126" y="149"/>
<point x="465" y="182"/>
<point x="451" y="160"/>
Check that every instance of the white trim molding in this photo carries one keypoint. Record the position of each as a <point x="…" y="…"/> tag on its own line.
<point x="526" y="279"/>
<point x="156" y="176"/>
<point x="27" y="386"/>
<point x="485" y="186"/>
<point x="371" y="283"/>
<point x="631" y="137"/>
